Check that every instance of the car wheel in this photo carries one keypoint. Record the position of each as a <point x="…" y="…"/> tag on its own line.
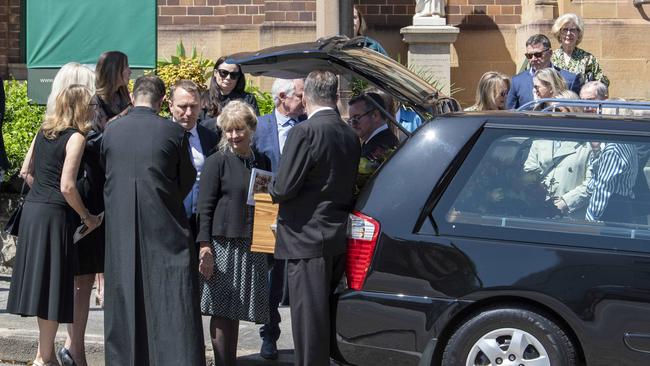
<point x="509" y="336"/>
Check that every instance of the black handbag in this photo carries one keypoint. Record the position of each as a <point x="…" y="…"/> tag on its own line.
<point x="11" y="227"/>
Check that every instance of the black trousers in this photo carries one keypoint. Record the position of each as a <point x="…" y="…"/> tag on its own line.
<point x="312" y="283"/>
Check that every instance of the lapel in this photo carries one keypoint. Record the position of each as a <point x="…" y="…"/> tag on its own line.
<point x="275" y="140"/>
<point x="203" y="139"/>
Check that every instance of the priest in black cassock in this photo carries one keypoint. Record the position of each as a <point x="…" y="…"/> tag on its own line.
<point x="152" y="313"/>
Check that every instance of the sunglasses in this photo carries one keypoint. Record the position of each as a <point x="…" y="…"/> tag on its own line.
<point x="233" y="75"/>
<point x="353" y="121"/>
<point x="536" y="54"/>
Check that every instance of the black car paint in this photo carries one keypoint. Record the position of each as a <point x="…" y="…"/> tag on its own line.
<point x="424" y="279"/>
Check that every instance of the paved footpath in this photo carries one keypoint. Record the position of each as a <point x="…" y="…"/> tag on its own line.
<point x="19" y="336"/>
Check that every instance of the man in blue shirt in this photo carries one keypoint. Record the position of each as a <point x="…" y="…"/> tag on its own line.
<point x="270" y="136"/>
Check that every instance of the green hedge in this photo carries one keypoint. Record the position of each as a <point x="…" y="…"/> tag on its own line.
<point x="22" y="121"/>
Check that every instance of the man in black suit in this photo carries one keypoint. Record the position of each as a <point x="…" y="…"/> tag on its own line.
<point x="369" y="124"/>
<point x="152" y="314"/>
<point x="185" y="106"/>
<point x="314" y="186"/>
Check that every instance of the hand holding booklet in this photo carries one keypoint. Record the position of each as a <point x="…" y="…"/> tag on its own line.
<point x="261" y="182"/>
<point x="83" y="230"/>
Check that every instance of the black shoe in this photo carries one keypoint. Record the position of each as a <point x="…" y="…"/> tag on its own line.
<point x="66" y="357"/>
<point x="269" y="350"/>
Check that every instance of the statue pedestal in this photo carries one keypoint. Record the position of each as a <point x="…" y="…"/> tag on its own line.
<point x="429" y="53"/>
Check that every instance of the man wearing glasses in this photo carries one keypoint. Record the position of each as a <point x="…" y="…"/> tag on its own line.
<point x="538" y="53"/>
<point x="369" y="124"/>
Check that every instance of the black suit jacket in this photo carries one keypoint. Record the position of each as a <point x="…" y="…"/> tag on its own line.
<point x="4" y="162"/>
<point x="209" y="140"/>
<point x="223" y="192"/>
<point x="314" y="186"/>
<point x="384" y="140"/>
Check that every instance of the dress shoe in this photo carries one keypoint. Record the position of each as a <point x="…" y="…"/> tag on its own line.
<point x="269" y="350"/>
<point x="66" y="357"/>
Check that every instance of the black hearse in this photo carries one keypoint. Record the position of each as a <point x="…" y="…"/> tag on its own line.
<point x="458" y="253"/>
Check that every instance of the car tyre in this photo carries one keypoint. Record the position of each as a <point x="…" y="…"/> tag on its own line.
<point x="509" y="336"/>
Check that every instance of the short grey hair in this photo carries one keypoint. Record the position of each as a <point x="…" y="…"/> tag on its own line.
<point x="321" y="87"/>
<point x="280" y="86"/>
<point x="601" y="89"/>
<point x="561" y="21"/>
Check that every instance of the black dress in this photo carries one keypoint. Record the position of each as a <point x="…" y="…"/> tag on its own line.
<point x="42" y="283"/>
<point x="90" y="249"/>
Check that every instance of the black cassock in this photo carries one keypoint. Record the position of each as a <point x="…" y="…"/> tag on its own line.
<point x="152" y="313"/>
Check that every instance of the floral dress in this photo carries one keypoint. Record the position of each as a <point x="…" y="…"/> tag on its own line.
<point x="582" y="63"/>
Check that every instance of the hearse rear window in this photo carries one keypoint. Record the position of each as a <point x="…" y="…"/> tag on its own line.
<point x="554" y="182"/>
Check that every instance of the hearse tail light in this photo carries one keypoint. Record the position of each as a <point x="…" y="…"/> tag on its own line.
<point x="362" y="239"/>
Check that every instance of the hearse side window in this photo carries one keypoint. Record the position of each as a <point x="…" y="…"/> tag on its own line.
<point x="552" y="182"/>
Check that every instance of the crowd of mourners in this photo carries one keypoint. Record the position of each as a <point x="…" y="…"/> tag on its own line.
<point x="164" y="201"/>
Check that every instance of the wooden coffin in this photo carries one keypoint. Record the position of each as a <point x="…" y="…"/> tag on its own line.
<point x="266" y="213"/>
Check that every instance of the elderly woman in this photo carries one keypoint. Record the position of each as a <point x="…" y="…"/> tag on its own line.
<point x="238" y="288"/>
<point x="42" y="283"/>
<point x="568" y="29"/>
<point x="491" y="92"/>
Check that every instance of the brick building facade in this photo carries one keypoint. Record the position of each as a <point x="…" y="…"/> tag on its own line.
<point x="492" y="36"/>
<point x="10" y="35"/>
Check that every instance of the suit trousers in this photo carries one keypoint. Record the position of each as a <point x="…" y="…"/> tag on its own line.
<point x="312" y="282"/>
<point x="271" y="330"/>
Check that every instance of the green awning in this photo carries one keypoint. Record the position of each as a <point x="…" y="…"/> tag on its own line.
<point x="62" y="31"/>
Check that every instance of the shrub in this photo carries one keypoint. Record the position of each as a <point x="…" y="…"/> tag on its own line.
<point x="22" y="121"/>
<point x="264" y="99"/>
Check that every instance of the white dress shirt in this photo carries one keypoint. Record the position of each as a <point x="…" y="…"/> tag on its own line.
<point x="198" y="159"/>
<point x="285" y="123"/>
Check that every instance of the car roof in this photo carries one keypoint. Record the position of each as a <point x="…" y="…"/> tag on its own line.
<point x="576" y="122"/>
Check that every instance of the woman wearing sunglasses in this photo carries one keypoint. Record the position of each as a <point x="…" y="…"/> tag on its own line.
<point x="227" y="83"/>
<point x="491" y="92"/>
<point x="568" y="29"/>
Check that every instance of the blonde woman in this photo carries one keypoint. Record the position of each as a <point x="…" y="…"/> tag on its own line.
<point x="547" y="83"/>
<point x="89" y="251"/>
<point x="568" y="29"/>
<point x="491" y="92"/>
<point x="238" y="288"/>
<point x="42" y="283"/>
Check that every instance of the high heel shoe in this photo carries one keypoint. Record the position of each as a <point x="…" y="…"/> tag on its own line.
<point x="65" y="357"/>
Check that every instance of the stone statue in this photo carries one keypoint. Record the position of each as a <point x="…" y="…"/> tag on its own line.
<point x="429" y="8"/>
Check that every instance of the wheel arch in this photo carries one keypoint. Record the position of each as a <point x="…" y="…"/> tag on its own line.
<point x="502" y="301"/>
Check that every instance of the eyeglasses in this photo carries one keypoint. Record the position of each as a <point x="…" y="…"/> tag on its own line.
<point x="567" y="30"/>
<point x="355" y="120"/>
<point x="234" y="75"/>
<point x="536" y="54"/>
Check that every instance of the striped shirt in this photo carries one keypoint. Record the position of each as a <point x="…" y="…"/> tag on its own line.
<point x="614" y="172"/>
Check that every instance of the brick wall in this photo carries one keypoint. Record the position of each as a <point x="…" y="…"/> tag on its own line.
<point x="482" y="13"/>
<point x="230" y="12"/>
<point x="379" y="13"/>
<point x="9" y="34"/>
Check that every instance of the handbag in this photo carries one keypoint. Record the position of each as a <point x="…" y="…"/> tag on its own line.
<point x="12" y="225"/>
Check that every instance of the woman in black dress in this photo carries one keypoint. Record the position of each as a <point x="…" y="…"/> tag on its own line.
<point x="90" y="249"/>
<point x="42" y="283"/>
<point x="238" y="288"/>
<point x="111" y="101"/>
<point x="227" y="83"/>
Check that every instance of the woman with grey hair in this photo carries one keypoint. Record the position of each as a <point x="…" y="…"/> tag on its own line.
<point x="569" y="29"/>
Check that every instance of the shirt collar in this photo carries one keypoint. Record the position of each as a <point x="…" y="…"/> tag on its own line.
<point x="281" y="119"/>
<point x="318" y="110"/>
<point x="376" y="131"/>
<point x="194" y="131"/>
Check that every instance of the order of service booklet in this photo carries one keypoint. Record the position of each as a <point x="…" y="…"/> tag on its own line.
<point x="82" y="230"/>
<point x="261" y="182"/>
